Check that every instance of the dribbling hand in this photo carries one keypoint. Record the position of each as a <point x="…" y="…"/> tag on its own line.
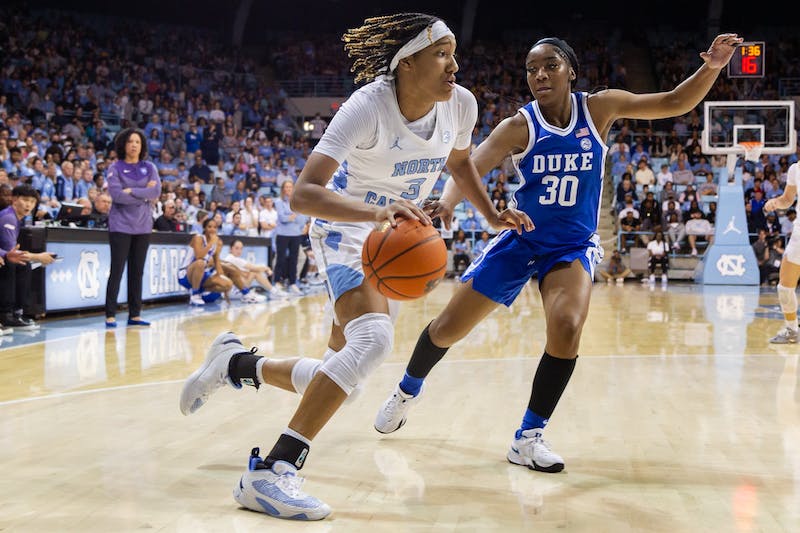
<point x="721" y="50"/>
<point x="512" y="219"/>
<point x="436" y="208"/>
<point x="401" y="209"/>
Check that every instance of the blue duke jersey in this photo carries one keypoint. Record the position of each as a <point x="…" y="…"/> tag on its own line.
<point x="209" y="270"/>
<point x="562" y="172"/>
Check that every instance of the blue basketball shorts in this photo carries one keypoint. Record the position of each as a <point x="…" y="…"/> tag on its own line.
<point x="183" y="279"/>
<point x="509" y="261"/>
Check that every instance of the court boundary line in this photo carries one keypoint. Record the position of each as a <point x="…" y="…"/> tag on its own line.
<point x="61" y="395"/>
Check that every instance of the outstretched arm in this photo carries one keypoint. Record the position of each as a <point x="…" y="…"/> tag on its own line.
<point x="607" y="106"/>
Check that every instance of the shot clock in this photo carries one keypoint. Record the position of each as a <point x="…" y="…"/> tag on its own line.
<point x="747" y="61"/>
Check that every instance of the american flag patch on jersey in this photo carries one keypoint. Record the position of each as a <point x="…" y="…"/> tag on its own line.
<point x="583" y="132"/>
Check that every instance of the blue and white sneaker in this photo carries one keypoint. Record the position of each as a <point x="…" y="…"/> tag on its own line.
<point x="212" y="374"/>
<point x="276" y="491"/>
<point x="531" y="450"/>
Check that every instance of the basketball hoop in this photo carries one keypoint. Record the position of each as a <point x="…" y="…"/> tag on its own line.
<point x="752" y="152"/>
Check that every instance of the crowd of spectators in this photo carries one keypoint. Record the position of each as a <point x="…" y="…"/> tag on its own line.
<point x="221" y="138"/>
<point x="224" y="142"/>
<point x="681" y="199"/>
<point x="68" y="86"/>
<point x="664" y="182"/>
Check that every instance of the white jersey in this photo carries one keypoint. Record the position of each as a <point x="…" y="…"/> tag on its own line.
<point x="793" y="178"/>
<point x="381" y="159"/>
<point x="270" y="216"/>
<point x="238" y="262"/>
<point x="792" y="251"/>
<point x="189" y="258"/>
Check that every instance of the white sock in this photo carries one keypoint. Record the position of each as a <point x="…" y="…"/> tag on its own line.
<point x="259" y="370"/>
<point x="298" y="436"/>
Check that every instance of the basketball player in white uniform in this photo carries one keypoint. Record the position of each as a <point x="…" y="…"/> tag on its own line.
<point x="377" y="161"/>
<point x="790" y="266"/>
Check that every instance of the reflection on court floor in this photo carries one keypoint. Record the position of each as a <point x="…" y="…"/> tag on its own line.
<point x="680" y="416"/>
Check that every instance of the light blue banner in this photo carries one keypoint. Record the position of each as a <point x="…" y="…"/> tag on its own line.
<point x="79" y="280"/>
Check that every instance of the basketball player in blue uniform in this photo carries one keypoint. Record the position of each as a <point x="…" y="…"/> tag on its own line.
<point x="558" y="146"/>
<point x="377" y="160"/>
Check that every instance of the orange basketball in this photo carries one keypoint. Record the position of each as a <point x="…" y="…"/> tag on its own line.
<point x="405" y="262"/>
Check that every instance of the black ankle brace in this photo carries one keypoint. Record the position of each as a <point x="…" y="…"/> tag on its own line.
<point x="289" y="449"/>
<point x="242" y="369"/>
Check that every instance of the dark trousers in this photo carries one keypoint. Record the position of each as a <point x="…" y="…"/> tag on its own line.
<point x="460" y="262"/>
<point x="271" y="257"/>
<point x="287" y="250"/>
<point x="662" y="261"/>
<point x="304" y="270"/>
<point x="767" y="269"/>
<point x="133" y="249"/>
<point x="15" y="282"/>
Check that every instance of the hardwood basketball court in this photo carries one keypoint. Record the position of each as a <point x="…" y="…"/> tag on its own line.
<point x="679" y="417"/>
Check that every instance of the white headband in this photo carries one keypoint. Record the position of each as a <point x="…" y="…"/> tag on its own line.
<point x="424" y="39"/>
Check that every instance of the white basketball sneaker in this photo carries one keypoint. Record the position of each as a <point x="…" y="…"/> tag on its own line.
<point x="294" y="290"/>
<point x="277" y="294"/>
<point x="393" y="412"/>
<point x="253" y="297"/>
<point x="212" y="374"/>
<point x="276" y="491"/>
<point x="785" y="336"/>
<point x="533" y="451"/>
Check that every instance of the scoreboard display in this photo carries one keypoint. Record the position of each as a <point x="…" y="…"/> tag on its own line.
<point x="747" y="61"/>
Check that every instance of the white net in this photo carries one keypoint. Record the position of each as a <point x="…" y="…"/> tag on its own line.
<point x="751" y="151"/>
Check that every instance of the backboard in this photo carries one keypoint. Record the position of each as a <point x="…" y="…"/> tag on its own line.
<point x="770" y="122"/>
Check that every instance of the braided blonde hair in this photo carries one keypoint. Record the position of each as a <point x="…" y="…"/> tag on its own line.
<point x="373" y="44"/>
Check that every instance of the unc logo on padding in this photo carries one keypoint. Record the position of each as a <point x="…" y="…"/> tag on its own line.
<point x="88" y="284"/>
<point x="586" y="144"/>
<point x="731" y="265"/>
<point x="446" y="137"/>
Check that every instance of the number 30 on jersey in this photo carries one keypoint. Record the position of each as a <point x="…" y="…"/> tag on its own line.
<point x="561" y="190"/>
